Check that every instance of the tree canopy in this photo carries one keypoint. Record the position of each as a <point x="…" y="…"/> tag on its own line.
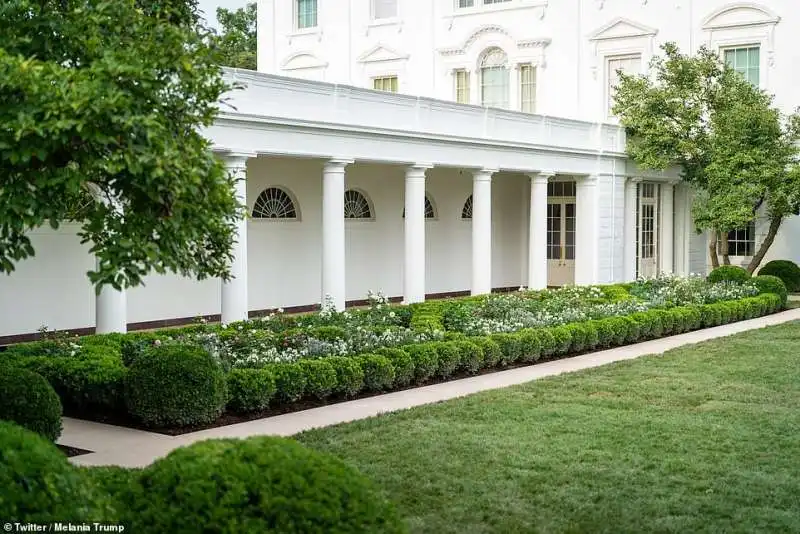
<point x="734" y="148"/>
<point x="237" y="42"/>
<point x="101" y="106"/>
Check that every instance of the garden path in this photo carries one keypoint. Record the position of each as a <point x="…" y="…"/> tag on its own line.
<point x="135" y="448"/>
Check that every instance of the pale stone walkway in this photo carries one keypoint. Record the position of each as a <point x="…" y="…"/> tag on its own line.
<point x="135" y="448"/>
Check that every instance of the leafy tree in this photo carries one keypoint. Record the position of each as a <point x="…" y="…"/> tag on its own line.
<point x="237" y="42"/>
<point x="733" y="146"/>
<point x="107" y="98"/>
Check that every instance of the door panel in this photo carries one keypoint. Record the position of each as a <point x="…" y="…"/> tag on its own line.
<point x="560" y="242"/>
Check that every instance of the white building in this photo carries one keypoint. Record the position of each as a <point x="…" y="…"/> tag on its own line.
<point x="495" y="165"/>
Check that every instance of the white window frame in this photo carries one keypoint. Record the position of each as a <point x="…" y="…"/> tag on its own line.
<point x="535" y="83"/>
<point x="296" y="17"/>
<point x="751" y="227"/>
<point x="754" y="44"/>
<point x="385" y="77"/>
<point x="373" y="11"/>
<point x="607" y="77"/>
<point x="467" y="89"/>
<point x="506" y="101"/>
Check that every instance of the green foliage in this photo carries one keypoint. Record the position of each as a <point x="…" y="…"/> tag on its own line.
<point x="263" y="484"/>
<point x="547" y="342"/>
<point x="771" y="284"/>
<point x="402" y="362"/>
<point x="510" y="346"/>
<point x="530" y="344"/>
<point x="250" y="390"/>
<point x="328" y="333"/>
<point x="320" y="377"/>
<point x="349" y="375"/>
<point x="728" y="273"/>
<point x="734" y="148"/>
<point x="448" y="357"/>
<point x="113" y="481"/>
<point x="427" y="316"/>
<point x="39" y="484"/>
<point x="237" y="43"/>
<point x="103" y="103"/>
<point x="425" y="360"/>
<point x="786" y="270"/>
<point x="28" y="400"/>
<point x="378" y="372"/>
<point x="562" y="337"/>
<point x="175" y="385"/>
<point x="492" y="352"/>
<point x="470" y="356"/>
<point x="290" y="381"/>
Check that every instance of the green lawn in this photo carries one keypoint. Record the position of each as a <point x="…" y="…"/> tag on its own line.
<point x="702" y="439"/>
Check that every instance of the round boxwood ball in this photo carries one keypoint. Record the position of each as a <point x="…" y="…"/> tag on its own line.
<point x="27" y="399"/>
<point x="39" y="485"/>
<point x="264" y="484"/>
<point x="728" y="273"/>
<point x="786" y="270"/>
<point x="771" y="284"/>
<point x="175" y="385"/>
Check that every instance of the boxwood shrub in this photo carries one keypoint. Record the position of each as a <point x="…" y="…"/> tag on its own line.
<point x="786" y="270"/>
<point x="771" y="284"/>
<point x="250" y="390"/>
<point x="728" y="273"/>
<point x="39" y="485"/>
<point x="28" y="400"/>
<point x="320" y="377"/>
<point x="402" y="362"/>
<point x="290" y="381"/>
<point x="263" y="484"/>
<point x="448" y="358"/>
<point x="378" y="371"/>
<point x="426" y="361"/>
<point x="175" y="385"/>
<point x="470" y="356"/>
<point x="530" y="344"/>
<point x="349" y="375"/>
<point x="510" y="346"/>
<point x="492" y="353"/>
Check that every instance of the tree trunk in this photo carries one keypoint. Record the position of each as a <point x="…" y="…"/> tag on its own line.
<point x="774" y="226"/>
<point x="723" y="244"/>
<point x="712" y="250"/>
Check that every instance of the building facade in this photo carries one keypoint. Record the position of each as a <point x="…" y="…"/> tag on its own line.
<point x="433" y="148"/>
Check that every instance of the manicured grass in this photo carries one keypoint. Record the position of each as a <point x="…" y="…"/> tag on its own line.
<point x="703" y="439"/>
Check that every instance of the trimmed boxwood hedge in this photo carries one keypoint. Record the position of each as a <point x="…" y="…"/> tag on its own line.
<point x="28" y="400"/>
<point x="250" y="390"/>
<point x="263" y="484"/>
<point x="39" y="485"/>
<point x="175" y="385"/>
<point x="728" y="273"/>
<point x="786" y="270"/>
<point x="771" y="284"/>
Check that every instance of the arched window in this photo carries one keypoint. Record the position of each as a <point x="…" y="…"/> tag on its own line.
<point x="466" y="211"/>
<point x="356" y="205"/>
<point x="274" y="203"/>
<point x="430" y="212"/>
<point x="494" y="78"/>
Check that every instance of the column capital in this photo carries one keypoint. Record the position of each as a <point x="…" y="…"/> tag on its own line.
<point x="484" y="174"/>
<point x="336" y="164"/>
<point x="541" y="176"/>
<point x="235" y="160"/>
<point x="672" y="182"/>
<point x="634" y="179"/>
<point x="587" y="181"/>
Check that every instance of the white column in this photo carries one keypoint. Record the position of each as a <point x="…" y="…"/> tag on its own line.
<point x="333" y="237"/>
<point x="537" y="234"/>
<point x="234" y="291"/>
<point x="586" y="230"/>
<point x="111" y="314"/>
<point x="629" y="234"/>
<point x="667" y="264"/>
<point x="482" y="231"/>
<point x="414" y="269"/>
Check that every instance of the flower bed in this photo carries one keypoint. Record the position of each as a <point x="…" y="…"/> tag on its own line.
<point x="286" y="362"/>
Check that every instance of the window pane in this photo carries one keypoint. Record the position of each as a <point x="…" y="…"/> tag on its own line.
<point x="487" y="2"/>
<point x="527" y="88"/>
<point x="306" y="13"/>
<point x="628" y="65"/>
<point x="494" y="87"/>
<point x="462" y="86"/>
<point x="385" y="83"/>
<point x="746" y="61"/>
<point x="466" y="3"/>
<point x="384" y="9"/>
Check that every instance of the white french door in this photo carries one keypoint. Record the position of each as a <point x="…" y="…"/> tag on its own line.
<point x="647" y="222"/>
<point x="561" y="233"/>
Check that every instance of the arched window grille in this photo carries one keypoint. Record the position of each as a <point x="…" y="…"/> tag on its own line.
<point x="274" y="203"/>
<point x="356" y="205"/>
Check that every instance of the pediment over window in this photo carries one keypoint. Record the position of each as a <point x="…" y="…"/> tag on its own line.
<point x="622" y="28"/>
<point x="740" y="14"/>
<point x="381" y="53"/>
<point x="489" y="29"/>
<point x="303" y="60"/>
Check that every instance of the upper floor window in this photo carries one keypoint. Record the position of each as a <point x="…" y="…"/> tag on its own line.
<point x="527" y="88"/>
<point x="494" y="78"/>
<point x="385" y="83"/>
<point x="462" y="86"/>
<point x="471" y="3"/>
<point x="384" y="9"/>
<point x="742" y="242"/>
<point x="306" y="11"/>
<point x="628" y="65"/>
<point x="746" y="61"/>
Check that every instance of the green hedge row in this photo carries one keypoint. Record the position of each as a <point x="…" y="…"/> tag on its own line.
<point x="262" y="484"/>
<point x="176" y="386"/>
<point x="420" y="363"/>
